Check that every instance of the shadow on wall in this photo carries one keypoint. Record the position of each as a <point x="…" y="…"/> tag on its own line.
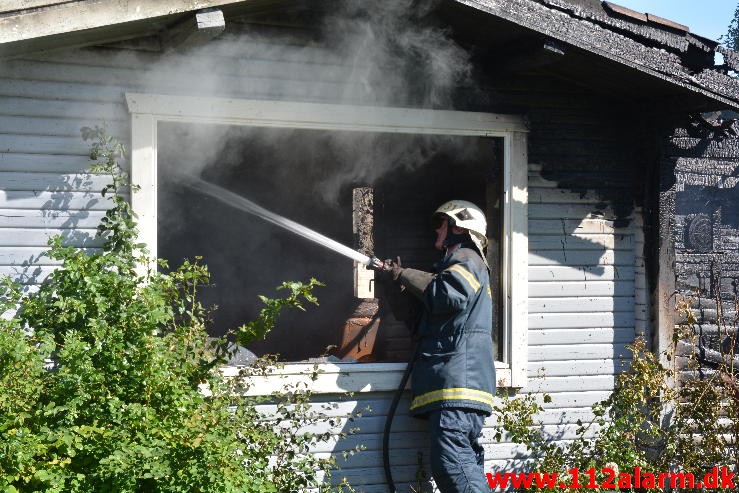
<point x="68" y="205"/>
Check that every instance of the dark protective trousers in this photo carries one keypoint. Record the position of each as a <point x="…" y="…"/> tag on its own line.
<point x="457" y="458"/>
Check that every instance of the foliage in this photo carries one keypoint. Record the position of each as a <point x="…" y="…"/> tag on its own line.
<point x="267" y="318"/>
<point x="295" y="426"/>
<point x="731" y="39"/>
<point x="108" y="381"/>
<point x="676" y="419"/>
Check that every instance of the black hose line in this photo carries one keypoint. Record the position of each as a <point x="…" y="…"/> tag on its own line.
<point x="389" y="423"/>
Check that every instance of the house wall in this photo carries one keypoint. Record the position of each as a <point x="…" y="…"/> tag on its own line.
<point x="586" y="274"/>
<point x="699" y="195"/>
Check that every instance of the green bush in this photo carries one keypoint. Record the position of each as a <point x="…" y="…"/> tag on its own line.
<point x="104" y="372"/>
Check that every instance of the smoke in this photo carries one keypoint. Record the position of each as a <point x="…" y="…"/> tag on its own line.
<point x="380" y="53"/>
<point x="395" y="54"/>
<point x="384" y="53"/>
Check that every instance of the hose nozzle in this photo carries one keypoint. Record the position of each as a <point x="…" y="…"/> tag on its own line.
<point x="377" y="264"/>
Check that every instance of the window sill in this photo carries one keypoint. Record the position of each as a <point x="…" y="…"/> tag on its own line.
<point x="337" y="378"/>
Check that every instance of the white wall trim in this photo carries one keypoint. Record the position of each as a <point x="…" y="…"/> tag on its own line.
<point x="337" y="378"/>
<point x="148" y="109"/>
<point x="264" y="113"/>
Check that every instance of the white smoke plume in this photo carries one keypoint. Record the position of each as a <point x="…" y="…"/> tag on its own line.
<point x="379" y="53"/>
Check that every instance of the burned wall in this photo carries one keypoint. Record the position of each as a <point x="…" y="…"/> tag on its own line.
<point x="700" y="170"/>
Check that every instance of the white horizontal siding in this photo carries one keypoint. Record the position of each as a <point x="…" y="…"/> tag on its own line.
<point x="583" y="299"/>
<point x="586" y="289"/>
<point x="410" y="437"/>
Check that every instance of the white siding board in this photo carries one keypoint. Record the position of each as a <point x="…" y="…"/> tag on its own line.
<point x="51" y="220"/>
<point x="53" y="182"/>
<point x="28" y="162"/>
<point x="580" y="241"/>
<point x="66" y="72"/>
<point x="567" y="226"/>
<point x="584" y="399"/>
<point x="581" y="304"/>
<point x="581" y="336"/>
<point x="22" y="199"/>
<point x="84" y="110"/>
<point x="583" y="273"/>
<point x="581" y="367"/>
<point x="551" y="289"/>
<point x="574" y="210"/>
<point x="25" y="125"/>
<point x="566" y="384"/>
<point x="580" y="257"/>
<point x="27" y="237"/>
<point x="573" y="352"/>
<point x="60" y="90"/>
<point x="580" y="320"/>
<point x="43" y="144"/>
<point x="28" y="275"/>
<point x="27" y="256"/>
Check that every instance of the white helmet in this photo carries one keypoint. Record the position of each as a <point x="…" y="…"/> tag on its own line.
<point x="467" y="215"/>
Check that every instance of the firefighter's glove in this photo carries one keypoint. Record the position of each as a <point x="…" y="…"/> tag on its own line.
<point x="415" y="281"/>
<point x="384" y="275"/>
<point x="395" y="268"/>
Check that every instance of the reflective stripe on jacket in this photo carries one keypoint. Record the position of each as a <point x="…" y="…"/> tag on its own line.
<point x="456" y="364"/>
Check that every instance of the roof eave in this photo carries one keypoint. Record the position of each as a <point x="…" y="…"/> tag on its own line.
<point x="611" y="45"/>
<point x="73" y="24"/>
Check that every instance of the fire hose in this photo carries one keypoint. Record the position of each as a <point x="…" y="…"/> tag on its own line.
<point x="389" y="424"/>
<point x="379" y="265"/>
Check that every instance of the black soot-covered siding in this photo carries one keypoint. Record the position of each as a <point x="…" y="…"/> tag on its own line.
<point x="703" y="208"/>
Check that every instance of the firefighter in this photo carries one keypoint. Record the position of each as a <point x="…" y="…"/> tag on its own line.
<point x="453" y="377"/>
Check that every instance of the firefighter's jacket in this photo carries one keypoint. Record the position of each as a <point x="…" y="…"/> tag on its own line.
<point x="455" y="365"/>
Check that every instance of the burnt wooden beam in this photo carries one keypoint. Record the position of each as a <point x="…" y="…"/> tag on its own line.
<point x="195" y="30"/>
<point x="363" y="200"/>
<point x="359" y="333"/>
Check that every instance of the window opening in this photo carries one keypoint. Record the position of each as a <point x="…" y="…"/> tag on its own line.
<point x="314" y="177"/>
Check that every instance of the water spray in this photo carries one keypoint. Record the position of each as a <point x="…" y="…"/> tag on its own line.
<point x="236" y="200"/>
<point x="239" y="202"/>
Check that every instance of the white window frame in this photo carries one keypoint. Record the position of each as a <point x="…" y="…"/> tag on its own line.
<point x="148" y="109"/>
